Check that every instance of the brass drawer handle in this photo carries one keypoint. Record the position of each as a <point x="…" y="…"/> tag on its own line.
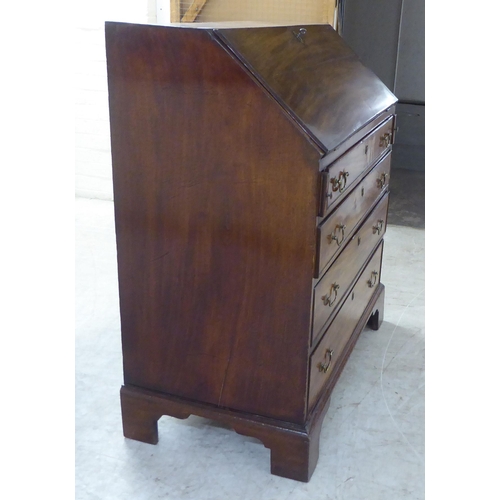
<point x="334" y="237"/>
<point x="378" y="228"/>
<point x="382" y="180"/>
<point x="324" y="367"/>
<point x="340" y="183"/>
<point x="373" y="279"/>
<point x="385" y="140"/>
<point x="327" y="299"/>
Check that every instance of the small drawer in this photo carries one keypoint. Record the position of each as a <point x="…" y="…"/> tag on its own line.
<point x="334" y="232"/>
<point x="325" y="356"/>
<point x="341" y="176"/>
<point x="331" y="289"/>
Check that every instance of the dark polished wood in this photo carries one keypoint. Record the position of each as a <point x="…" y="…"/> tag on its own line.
<point x="294" y="448"/>
<point x="334" y="233"/>
<point x="207" y="226"/>
<point x="331" y="347"/>
<point x="375" y="304"/>
<point x="343" y="174"/>
<point x="335" y="284"/>
<point x="318" y="78"/>
<point x="221" y="140"/>
<point x="337" y="152"/>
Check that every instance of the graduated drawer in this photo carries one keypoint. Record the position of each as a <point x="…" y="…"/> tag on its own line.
<point x="330" y="290"/>
<point x="329" y="350"/>
<point x="339" y="177"/>
<point x="335" y="231"/>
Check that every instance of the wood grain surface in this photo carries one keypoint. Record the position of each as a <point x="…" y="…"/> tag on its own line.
<point x="341" y="223"/>
<point x="340" y="331"/>
<point x="221" y="144"/>
<point x="317" y="77"/>
<point x="215" y="223"/>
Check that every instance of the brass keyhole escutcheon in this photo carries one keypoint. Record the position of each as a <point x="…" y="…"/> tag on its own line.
<point x="327" y="299"/>
<point x="381" y="181"/>
<point x="324" y="367"/>
<point x="378" y="228"/>
<point x="373" y="279"/>
<point x="302" y="32"/>
<point x="335" y="237"/>
<point x="340" y="183"/>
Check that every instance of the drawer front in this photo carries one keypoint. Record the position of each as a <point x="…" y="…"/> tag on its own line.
<point x="329" y="350"/>
<point x="330" y="290"/>
<point x="342" y="174"/>
<point x="335" y="231"/>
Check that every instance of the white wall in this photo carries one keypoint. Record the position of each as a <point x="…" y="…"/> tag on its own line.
<point x="93" y="150"/>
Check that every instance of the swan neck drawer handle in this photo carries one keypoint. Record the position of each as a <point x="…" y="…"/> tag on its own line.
<point x="373" y="279"/>
<point x="382" y="180"/>
<point x="378" y="228"/>
<point x="385" y="140"/>
<point x="327" y="299"/>
<point x="324" y="367"/>
<point x="334" y="237"/>
<point x="340" y="183"/>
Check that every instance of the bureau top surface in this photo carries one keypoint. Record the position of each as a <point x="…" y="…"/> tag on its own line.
<point x="314" y="75"/>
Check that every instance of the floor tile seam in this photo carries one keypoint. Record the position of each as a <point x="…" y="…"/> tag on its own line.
<point x="384" y="368"/>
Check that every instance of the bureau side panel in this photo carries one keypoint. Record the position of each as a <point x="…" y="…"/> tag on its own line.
<point x="215" y="198"/>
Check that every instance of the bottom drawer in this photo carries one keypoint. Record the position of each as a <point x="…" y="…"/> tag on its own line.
<point x="329" y="350"/>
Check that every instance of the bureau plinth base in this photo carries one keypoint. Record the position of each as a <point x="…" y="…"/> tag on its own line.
<point x="294" y="448"/>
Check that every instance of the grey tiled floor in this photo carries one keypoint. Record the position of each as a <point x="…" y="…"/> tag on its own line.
<point x="372" y="441"/>
<point x="407" y="198"/>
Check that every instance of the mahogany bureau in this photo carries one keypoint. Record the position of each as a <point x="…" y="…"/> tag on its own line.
<point x="250" y="171"/>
